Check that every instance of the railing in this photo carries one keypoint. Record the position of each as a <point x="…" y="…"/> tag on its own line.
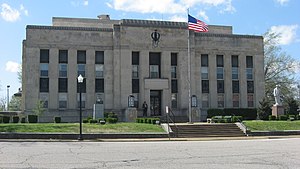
<point x="169" y="119"/>
<point x="243" y="125"/>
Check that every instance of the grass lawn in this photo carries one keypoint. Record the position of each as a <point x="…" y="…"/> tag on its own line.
<point x="74" y="128"/>
<point x="257" y="125"/>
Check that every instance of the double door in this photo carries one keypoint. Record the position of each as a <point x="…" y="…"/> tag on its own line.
<point x="155" y="103"/>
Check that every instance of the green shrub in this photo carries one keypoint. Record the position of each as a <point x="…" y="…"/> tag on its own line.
<point x="92" y="121"/>
<point x="57" y="119"/>
<point x="237" y="119"/>
<point x="5" y="119"/>
<point x="283" y="117"/>
<point x="16" y="119"/>
<point x="292" y="117"/>
<point x="246" y="113"/>
<point x="23" y="120"/>
<point x="154" y="120"/>
<point x="137" y="120"/>
<point x="214" y="112"/>
<point x="297" y="117"/>
<point x="111" y="120"/>
<point x="227" y="119"/>
<point x="85" y="121"/>
<point x="142" y="120"/>
<point x="1" y="119"/>
<point x="101" y="121"/>
<point x="32" y="118"/>
<point x="271" y="117"/>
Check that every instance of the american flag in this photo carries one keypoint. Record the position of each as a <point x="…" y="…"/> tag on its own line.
<point x="197" y="25"/>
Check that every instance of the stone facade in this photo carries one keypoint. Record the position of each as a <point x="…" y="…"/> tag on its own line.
<point x="119" y="40"/>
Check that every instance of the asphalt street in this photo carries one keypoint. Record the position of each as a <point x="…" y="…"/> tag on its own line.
<point x="225" y="154"/>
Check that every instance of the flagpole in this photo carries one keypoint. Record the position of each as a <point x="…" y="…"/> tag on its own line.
<point x="189" y="76"/>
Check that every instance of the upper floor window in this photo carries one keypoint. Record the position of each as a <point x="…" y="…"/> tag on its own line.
<point x="81" y="57"/>
<point x="99" y="70"/>
<point x="63" y="70"/>
<point x="204" y="60"/>
<point x="44" y="56"/>
<point x="44" y="69"/>
<point x="99" y="57"/>
<point x="154" y="61"/>
<point x="220" y="61"/>
<point x="63" y="56"/>
<point x="135" y="71"/>
<point x="249" y="62"/>
<point x="81" y="70"/>
<point x="204" y="73"/>
<point x="44" y="85"/>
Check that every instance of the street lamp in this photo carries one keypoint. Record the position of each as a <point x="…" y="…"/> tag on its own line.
<point x="8" y="86"/>
<point x="80" y="81"/>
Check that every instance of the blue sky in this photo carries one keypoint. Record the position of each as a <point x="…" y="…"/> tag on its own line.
<point x="252" y="17"/>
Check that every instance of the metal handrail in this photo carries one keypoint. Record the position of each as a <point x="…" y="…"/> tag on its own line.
<point x="172" y="121"/>
<point x="241" y="122"/>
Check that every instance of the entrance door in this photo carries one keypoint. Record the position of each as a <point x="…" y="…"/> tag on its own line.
<point x="155" y="102"/>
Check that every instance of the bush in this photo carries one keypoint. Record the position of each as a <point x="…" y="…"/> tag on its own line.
<point x="271" y="117"/>
<point x="214" y="112"/>
<point x="292" y="117"/>
<point x="23" y="120"/>
<point x="92" y="121"/>
<point x="1" y="119"/>
<point x="32" y="118"/>
<point x="227" y="119"/>
<point x="16" y="119"/>
<point x="111" y="120"/>
<point x="297" y="117"/>
<point x="246" y="113"/>
<point x="237" y="119"/>
<point x="57" y="119"/>
<point x="5" y="119"/>
<point x="154" y="120"/>
<point x="283" y="117"/>
<point x="101" y="121"/>
<point x="85" y="121"/>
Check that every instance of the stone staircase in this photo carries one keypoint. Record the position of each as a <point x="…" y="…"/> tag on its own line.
<point x="207" y="130"/>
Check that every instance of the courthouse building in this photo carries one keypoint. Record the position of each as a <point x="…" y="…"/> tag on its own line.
<point x="144" y="58"/>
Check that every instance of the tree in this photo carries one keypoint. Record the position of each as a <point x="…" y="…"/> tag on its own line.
<point x="15" y="103"/>
<point x="2" y="103"/>
<point x="279" y="67"/>
<point x="264" y="109"/>
<point x="39" y="108"/>
<point x="291" y="106"/>
<point x="20" y="73"/>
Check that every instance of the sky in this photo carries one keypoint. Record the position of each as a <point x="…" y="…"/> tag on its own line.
<point x="250" y="17"/>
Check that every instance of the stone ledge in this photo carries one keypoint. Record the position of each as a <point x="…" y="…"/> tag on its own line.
<point x="274" y="133"/>
<point x="68" y="28"/>
<point x="227" y="35"/>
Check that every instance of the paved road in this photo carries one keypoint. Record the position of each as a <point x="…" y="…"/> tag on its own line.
<point x="226" y="154"/>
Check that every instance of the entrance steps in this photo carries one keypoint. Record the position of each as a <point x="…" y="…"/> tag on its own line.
<point x="207" y="130"/>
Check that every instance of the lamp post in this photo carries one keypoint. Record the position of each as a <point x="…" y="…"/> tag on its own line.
<point x="8" y="86"/>
<point x="80" y="81"/>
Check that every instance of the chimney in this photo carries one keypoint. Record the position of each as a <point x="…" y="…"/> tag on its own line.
<point x="103" y="17"/>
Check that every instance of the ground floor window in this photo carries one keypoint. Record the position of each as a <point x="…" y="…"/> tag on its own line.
<point x="174" y="100"/>
<point x="83" y="99"/>
<point x="205" y="103"/>
<point x="220" y="100"/>
<point x="235" y="100"/>
<point x="250" y="99"/>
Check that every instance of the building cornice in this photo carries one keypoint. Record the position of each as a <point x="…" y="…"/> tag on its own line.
<point x="227" y="35"/>
<point x="69" y="28"/>
<point x="152" y="23"/>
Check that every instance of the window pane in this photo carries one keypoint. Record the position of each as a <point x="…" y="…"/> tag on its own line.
<point x="81" y="56"/>
<point x="44" y="97"/>
<point x="205" y="103"/>
<point x="63" y="56"/>
<point x="62" y="100"/>
<point x="235" y="73"/>
<point x="99" y="70"/>
<point x="154" y="58"/>
<point x="173" y="59"/>
<point x="154" y="71"/>
<point x="249" y="61"/>
<point x="204" y="72"/>
<point x="135" y="85"/>
<point x="174" y="86"/>
<point x="220" y="62"/>
<point x="235" y="86"/>
<point x="235" y="100"/>
<point x="220" y="86"/>
<point x="220" y="72"/>
<point x="44" y="56"/>
<point x="173" y="72"/>
<point x="62" y="85"/>
<point x="44" y="84"/>
<point x="81" y="70"/>
<point x="135" y="58"/>
<point x="83" y="99"/>
<point x="250" y="87"/>
<point x="234" y="61"/>
<point x="99" y="57"/>
<point x="82" y="86"/>
<point x="205" y="86"/>
<point x="63" y="70"/>
<point x="99" y="85"/>
<point x="221" y="100"/>
<point x="249" y="72"/>
<point x="174" y="100"/>
<point x="135" y="71"/>
<point x="44" y="69"/>
<point x="250" y="99"/>
<point x="136" y="100"/>
<point x="204" y="60"/>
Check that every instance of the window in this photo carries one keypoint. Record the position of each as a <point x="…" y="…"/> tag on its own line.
<point x="173" y="59"/>
<point x="63" y="56"/>
<point x="234" y="61"/>
<point x="204" y="73"/>
<point x="44" y="97"/>
<point x="136" y="100"/>
<point x="220" y="73"/>
<point x="44" y="56"/>
<point x="174" y="100"/>
<point x="135" y="58"/>
<point x="249" y="62"/>
<point x="81" y="70"/>
<point x="62" y="99"/>
<point x="250" y="100"/>
<point x="154" y="71"/>
<point x="154" y="61"/>
<point x="135" y="71"/>
<point x="205" y="103"/>
<point x="44" y="69"/>
<point x="220" y="100"/>
<point x="173" y="72"/>
<point x="220" y="86"/>
<point x="99" y="70"/>
<point x="81" y="57"/>
<point x="135" y="86"/>
<point x="220" y="61"/>
<point x="235" y="100"/>
<point x="205" y="86"/>
<point x="63" y="85"/>
<point x="235" y="72"/>
<point x="82" y="86"/>
<point x="44" y="84"/>
<point x="174" y="87"/>
<point x="83" y="99"/>
<point x="99" y="57"/>
<point x="204" y="60"/>
<point x="99" y="85"/>
<point x="249" y="73"/>
<point x="63" y="70"/>
<point x="235" y="86"/>
<point x="250" y="87"/>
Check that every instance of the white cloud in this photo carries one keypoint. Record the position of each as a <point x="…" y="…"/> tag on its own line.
<point x="9" y="14"/>
<point x="86" y="3"/>
<point x="22" y="8"/>
<point x="225" y="5"/>
<point x="177" y="18"/>
<point x="12" y="66"/>
<point x="282" y="2"/>
<point x="203" y="15"/>
<point x="287" y="33"/>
